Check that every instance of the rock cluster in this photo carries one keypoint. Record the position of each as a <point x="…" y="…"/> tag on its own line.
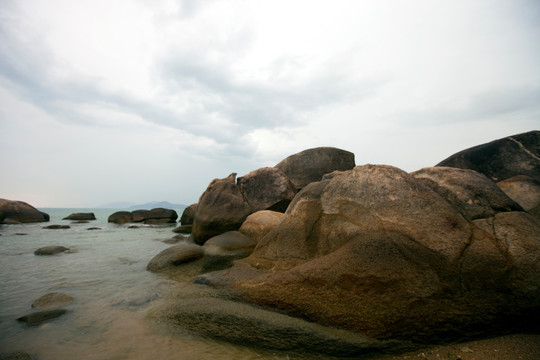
<point x="154" y="216"/>
<point x="16" y="212"/>
<point x="227" y="202"/>
<point x="434" y="255"/>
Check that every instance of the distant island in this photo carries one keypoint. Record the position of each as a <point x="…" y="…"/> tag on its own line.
<point x="148" y="205"/>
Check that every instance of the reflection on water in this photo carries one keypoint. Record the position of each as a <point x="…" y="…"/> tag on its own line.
<point x="112" y="316"/>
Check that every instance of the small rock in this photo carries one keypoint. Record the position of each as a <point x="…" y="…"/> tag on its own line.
<point x="51" y="300"/>
<point x="56" y="227"/>
<point x="51" y="250"/>
<point x="94" y="228"/>
<point x="41" y="316"/>
<point x="466" y="349"/>
<point x="80" y="216"/>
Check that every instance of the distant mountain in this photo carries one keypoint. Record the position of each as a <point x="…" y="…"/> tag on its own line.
<point x="157" y="204"/>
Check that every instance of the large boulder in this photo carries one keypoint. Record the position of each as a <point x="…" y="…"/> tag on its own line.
<point x="188" y="215"/>
<point x="139" y="215"/>
<point x="120" y="217"/>
<point x="310" y="165"/>
<point x="221" y="208"/>
<point x="502" y="159"/>
<point x="14" y="212"/>
<point x="267" y="189"/>
<point x="231" y="243"/>
<point x="80" y="216"/>
<point x="260" y="223"/>
<point x="390" y="255"/>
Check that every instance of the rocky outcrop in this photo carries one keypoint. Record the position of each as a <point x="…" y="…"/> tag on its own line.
<point x="427" y="257"/>
<point x="15" y="212"/>
<point x="260" y="223"/>
<point x="267" y="189"/>
<point x="51" y="300"/>
<point x="80" y="216"/>
<point x="310" y="165"/>
<point x="154" y="216"/>
<point x="221" y="208"/>
<point x="502" y="159"/>
<point x="51" y="250"/>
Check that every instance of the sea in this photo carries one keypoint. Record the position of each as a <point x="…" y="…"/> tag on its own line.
<point x="113" y="315"/>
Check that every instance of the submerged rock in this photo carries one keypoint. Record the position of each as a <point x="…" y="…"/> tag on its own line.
<point x="41" y="316"/>
<point x="57" y="227"/>
<point x="51" y="250"/>
<point x="52" y="300"/>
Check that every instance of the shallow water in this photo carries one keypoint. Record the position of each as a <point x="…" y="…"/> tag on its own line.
<point x="115" y="297"/>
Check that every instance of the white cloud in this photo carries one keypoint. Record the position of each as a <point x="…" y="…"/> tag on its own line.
<point x="191" y="90"/>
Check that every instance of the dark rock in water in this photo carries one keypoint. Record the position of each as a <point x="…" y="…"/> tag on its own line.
<point x="502" y="159"/>
<point x="267" y="189"/>
<point x="19" y="355"/>
<point x="139" y="215"/>
<point x="174" y="256"/>
<point x="120" y="217"/>
<point x="16" y="212"/>
<point x="80" y="222"/>
<point x="260" y="223"/>
<point x="94" y="228"/>
<point x="221" y="208"/>
<point x="177" y="238"/>
<point x="51" y="250"/>
<point x="183" y="229"/>
<point x="310" y="165"/>
<point x="52" y="300"/>
<point x="188" y="215"/>
<point x="41" y="316"/>
<point x="247" y="325"/>
<point x="134" y="227"/>
<point x="56" y="227"/>
<point x="390" y="255"/>
<point x="80" y="216"/>
<point x="161" y="216"/>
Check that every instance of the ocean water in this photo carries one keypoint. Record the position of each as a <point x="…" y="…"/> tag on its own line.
<point x="115" y="297"/>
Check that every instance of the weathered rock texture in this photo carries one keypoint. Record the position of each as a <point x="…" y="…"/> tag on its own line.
<point x="431" y="256"/>
<point x="525" y="191"/>
<point x="267" y="189"/>
<point x="502" y="159"/>
<point x="14" y="212"/>
<point x="310" y="165"/>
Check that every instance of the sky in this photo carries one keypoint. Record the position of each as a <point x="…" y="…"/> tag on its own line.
<point x="149" y="100"/>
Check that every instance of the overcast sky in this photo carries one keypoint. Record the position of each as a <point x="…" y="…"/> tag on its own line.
<point x="142" y="100"/>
